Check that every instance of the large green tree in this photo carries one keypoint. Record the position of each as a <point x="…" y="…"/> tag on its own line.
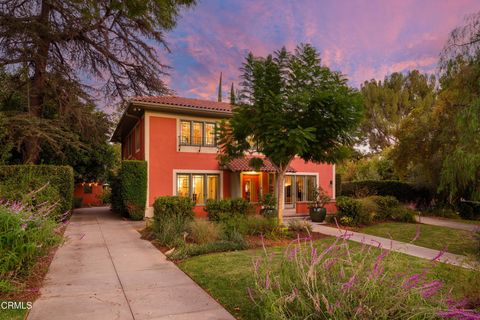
<point x="59" y="47"/>
<point x="291" y="105"/>
<point x="75" y="134"/>
<point x="389" y="102"/>
<point x="439" y="145"/>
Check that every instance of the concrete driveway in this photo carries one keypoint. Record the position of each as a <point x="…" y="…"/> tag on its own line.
<point x="105" y="271"/>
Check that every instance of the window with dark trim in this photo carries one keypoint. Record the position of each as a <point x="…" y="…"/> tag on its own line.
<point x="198" y="186"/>
<point x="197" y="133"/>
<point x="129" y="149"/>
<point x="137" y="138"/>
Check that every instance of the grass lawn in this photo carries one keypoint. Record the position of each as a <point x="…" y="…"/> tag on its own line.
<point x="226" y="276"/>
<point x="434" y="237"/>
<point x="13" y="314"/>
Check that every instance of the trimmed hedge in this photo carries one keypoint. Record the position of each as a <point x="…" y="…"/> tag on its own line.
<point x="134" y="188"/>
<point x="469" y="210"/>
<point x="16" y="181"/>
<point x="403" y="191"/>
<point x="216" y="209"/>
<point x="129" y="189"/>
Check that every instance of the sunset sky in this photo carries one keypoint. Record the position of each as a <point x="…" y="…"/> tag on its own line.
<point x="363" y="39"/>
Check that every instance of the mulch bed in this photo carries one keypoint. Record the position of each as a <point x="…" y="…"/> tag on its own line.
<point x="258" y="241"/>
<point x="29" y="287"/>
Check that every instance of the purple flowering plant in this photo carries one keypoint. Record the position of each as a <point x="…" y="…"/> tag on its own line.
<point x="338" y="280"/>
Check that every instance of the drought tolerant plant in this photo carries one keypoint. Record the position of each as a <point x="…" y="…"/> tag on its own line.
<point x="171" y="216"/>
<point x="299" y="226"/>
<point x="335" y="282"/>
<point x="203" y="231"/>
<point x="26" y="233"/>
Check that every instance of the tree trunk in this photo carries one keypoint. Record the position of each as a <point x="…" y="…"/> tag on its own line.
<point x="281" y="193"/>
<point x="37" y="92"/>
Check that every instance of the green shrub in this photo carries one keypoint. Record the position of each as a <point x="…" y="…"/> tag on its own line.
<point x="404" y="192"/>
<point x="442" y="211"/>
<point x="353" y="211"/>
<point x="50" y="183"/>
<point x="365" y="211"/>
<point x="469" y="210"/>
<point x="77" y="202"/>
<point x="170" y="219"/>
<point x="106" y="196"/>
<point x="133" y="178"/>
<point x="203" y="231"/>
<point x="25" y="235"/>
<point x="191" y="250"/>
<point x="217" y="209"/>
<point x="402" y="214"/>
<point x="116" y="196"/>
<point x="259" y="225"/>
<point x="248" y="225"/>
<point x="385" y="204"/>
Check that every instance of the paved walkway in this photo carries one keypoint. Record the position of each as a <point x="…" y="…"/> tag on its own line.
<point x="393" y="245"/>
<point x="105" y="271"/>
<point x="447" y="223"/>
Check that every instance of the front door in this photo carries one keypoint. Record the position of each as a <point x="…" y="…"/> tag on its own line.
<point x="250" y="187"/>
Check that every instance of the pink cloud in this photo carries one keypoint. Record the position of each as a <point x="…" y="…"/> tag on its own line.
<point x="362" y="38"/>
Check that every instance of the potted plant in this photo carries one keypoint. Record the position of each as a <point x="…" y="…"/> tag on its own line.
<point x="268" y="208"/>
<point x="316" y="208"/>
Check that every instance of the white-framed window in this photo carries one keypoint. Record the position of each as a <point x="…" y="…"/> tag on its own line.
<point x="198" y="186"/>
<point x="301" y="186"/>
<point x="198" y="133"/>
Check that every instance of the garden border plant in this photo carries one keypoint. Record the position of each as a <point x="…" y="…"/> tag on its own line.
<point x="51" y="183"/>
<point x="334" y="282"/>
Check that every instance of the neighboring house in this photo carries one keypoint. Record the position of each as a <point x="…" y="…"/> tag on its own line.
<point x="176" y="136"/>
<point x="88" y="194"/>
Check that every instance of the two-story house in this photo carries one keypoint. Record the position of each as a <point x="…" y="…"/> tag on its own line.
<point x="176" y="136"/>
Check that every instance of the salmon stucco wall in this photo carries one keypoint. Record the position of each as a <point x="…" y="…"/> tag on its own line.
<point x="164" y="157"/>
<point x="89" y="199"/>
<point x="325" y="173"/>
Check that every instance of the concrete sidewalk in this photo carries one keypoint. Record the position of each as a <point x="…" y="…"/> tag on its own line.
<point x="393" y="245"/>
<point x="105" y="271"/>
<point x="448" y="223"/>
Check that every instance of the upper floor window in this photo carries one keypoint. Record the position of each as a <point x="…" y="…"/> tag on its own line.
<point x="210" y="134"/>
<point x="137" y="138"/>
<point x="196" y="133"/>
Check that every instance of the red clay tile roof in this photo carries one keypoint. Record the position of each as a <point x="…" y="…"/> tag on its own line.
<point x="186" y="102"/>
<point x="241" y="164"/>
